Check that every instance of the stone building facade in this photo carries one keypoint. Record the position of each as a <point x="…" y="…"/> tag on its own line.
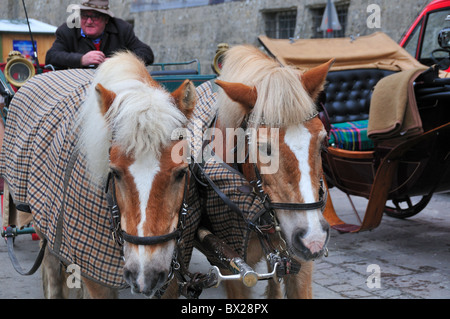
<point x="177" y="31"/>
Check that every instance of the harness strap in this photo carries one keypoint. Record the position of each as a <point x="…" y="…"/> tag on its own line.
<point x="9" y="237"/>
<point x="320" y="204"/>
<point x="151" y="240"/>
<point x="120" y="236"/>
<point x="191" y="285"/>
<point x="304" y="206"/>
<point x="223" y="196"/>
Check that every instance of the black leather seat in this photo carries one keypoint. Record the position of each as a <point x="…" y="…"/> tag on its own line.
<point x="348" y="93"/>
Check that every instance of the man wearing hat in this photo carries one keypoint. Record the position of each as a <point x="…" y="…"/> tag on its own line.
<point x="100" y="35"/>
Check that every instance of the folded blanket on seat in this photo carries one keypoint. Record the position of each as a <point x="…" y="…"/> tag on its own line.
<point x="393" y="110"/>
<point x="351" y="136"/>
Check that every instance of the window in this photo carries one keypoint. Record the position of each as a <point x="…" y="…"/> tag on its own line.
<point x="411" y="44"/>
<point x="436" y="21"/>
<point x="280" y="24"/>
<point x="317" y="14"/>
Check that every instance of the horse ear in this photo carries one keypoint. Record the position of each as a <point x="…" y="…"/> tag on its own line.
<point x="314" y="78"/>
<point x="105" y="98"/>
<point x="241" y="93"/>
<point x="185" y="97"/>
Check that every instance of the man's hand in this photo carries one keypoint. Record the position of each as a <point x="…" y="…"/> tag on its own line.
<point x="93" y="58"/>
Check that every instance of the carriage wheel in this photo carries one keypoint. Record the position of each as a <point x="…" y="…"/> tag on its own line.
<point x="410" y="210"/>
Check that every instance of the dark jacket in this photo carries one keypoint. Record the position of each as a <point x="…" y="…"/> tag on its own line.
<point x="70" y="45"/>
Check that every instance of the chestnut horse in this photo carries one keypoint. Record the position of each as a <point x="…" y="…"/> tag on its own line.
<point x="281" y="159"/>
<point x="139" y="118"/>
<point x="125" y="127"/>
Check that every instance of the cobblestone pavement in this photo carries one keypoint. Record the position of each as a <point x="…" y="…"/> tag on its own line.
<point x="411" y="255"/>
<point x="400" y="259"/>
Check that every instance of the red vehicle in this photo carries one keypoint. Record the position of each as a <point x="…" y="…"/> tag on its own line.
<point x="428" y="38"/>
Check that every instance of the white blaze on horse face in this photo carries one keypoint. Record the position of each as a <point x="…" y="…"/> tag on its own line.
<point x="143" y="172"/>
<point x="298" y="138"/>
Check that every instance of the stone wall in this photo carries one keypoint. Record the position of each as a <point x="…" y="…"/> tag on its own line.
<point x="188" y="33"/>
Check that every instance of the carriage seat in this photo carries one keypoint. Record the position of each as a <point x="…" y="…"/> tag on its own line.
<point x="346" y="102"/>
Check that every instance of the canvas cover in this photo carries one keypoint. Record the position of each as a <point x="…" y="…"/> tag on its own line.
<point x="377" y="50"/>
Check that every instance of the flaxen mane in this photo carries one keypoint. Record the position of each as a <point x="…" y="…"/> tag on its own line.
<point x="140" y="120"/>
<point x="282" y="100"/>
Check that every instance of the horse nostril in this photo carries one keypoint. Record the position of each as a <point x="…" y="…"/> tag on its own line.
<point x="300" y="233"/>
<point x="154" y="283"/>
<point x="159" y="279"/>
<point x="310" y="245"/>
<point x="297" y="240"/>
<point x="131" y="279"/>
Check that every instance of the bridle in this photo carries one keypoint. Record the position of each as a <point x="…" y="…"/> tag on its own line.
<point x="120" y="236"/>
<point x="269" y="205"/>
<point x="264" y="223"/>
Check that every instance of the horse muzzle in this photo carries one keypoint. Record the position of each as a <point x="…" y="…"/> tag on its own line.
<point x="310" y="246"/>
<point x="147" y="270"/>
<point x="147" y="283"/>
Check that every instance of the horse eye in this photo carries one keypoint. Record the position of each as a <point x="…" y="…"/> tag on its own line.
<point x="180" y="174"/>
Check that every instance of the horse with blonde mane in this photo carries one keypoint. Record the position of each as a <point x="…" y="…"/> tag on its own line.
<point x="280" y="160"/>
<point x="118" y="139"/>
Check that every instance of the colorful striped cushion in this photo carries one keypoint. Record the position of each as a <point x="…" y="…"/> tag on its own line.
<point x="351" y="136"/>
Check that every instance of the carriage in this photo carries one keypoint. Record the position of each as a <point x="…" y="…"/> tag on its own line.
<point x="396" y="168"/>
<point x="388" y="121"/>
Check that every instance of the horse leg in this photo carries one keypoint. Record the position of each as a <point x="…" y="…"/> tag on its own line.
<point x="95" y="290"/>
<point x="299" y="286"/>
<point x="273" y="289"/>
<point x="53" y="277"/>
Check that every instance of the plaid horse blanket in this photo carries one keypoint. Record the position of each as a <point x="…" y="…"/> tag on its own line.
<point x="47" y="175"/>
<point x="216" y="215"/>
<point x="44" y="171"/>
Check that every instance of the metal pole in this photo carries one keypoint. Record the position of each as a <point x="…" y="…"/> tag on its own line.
<point x="38" y="69"/>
